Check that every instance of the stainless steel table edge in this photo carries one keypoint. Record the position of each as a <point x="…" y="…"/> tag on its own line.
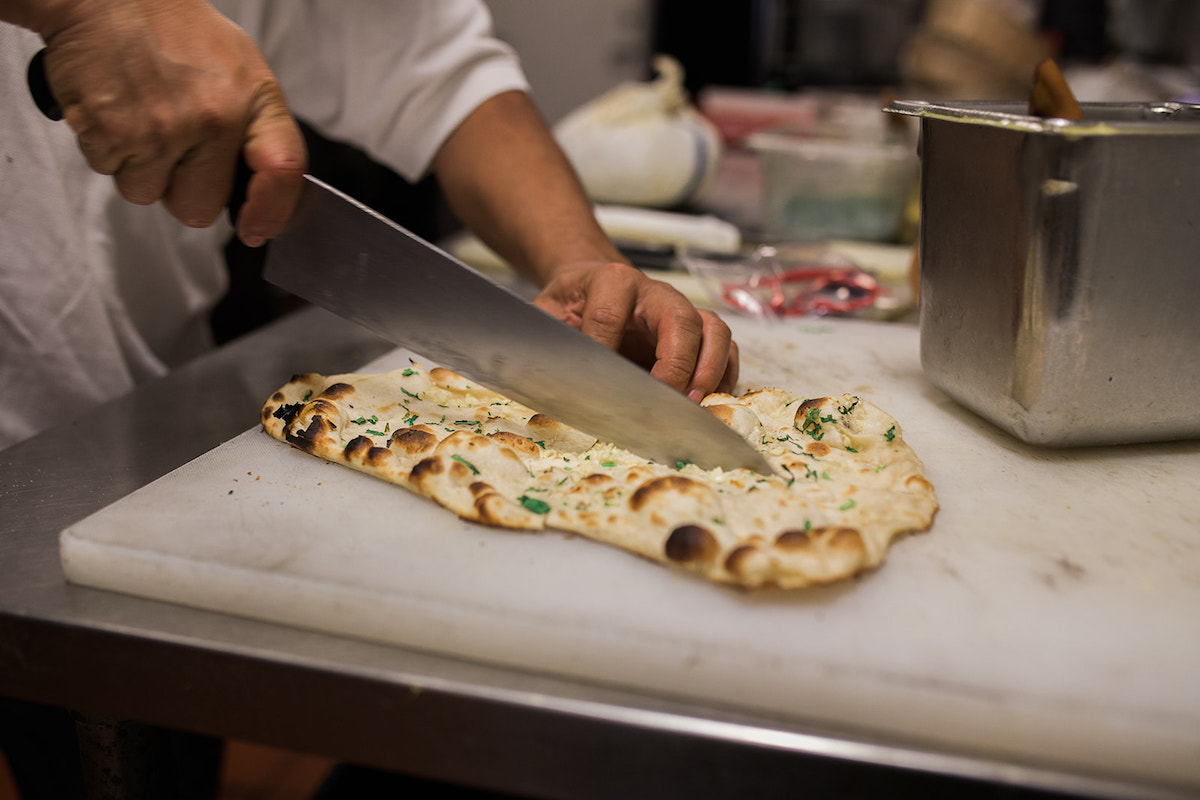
<point x="440" y="717"/>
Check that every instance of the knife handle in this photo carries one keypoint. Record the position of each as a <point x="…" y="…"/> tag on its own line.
<point x="48" y="104"/>
<point x="39" y="87"/>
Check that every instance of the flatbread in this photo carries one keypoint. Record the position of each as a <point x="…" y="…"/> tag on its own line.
<point x="847" y="483"/>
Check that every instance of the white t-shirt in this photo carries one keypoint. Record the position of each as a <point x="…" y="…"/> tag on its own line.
<point x="97" y="294"/>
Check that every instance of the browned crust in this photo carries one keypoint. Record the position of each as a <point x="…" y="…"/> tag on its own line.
<point x="831" y="538"/>
<point x="648" y="492"/>
<point x="425" y="469"/>
<point x="918" y="482"/>
<point x="737" y="561"/>
<point x="317" y="436"/>
<point x="414" y="441"/>
<point x="691" y="544"/>
<point x="522" y="444"/>
<point x="596" y="479"/>
<point x="543" y="422"/>
<point x="337" y="391"/>
<point x="723" y="413"/>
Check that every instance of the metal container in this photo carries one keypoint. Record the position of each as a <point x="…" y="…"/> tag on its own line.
<point x="1060" y="289"/>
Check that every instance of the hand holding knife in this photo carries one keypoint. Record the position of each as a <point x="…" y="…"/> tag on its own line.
<point x="339" y="254"/>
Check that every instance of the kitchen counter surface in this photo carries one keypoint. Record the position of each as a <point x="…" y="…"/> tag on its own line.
<point x="455" y="719"/>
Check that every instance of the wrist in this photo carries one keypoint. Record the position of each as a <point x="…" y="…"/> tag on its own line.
<point x="561" y="251"/>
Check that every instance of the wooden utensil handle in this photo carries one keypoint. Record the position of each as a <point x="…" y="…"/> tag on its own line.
<point x="1051" y="96"/>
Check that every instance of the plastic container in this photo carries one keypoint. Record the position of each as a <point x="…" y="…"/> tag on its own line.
<point x="833" y="188"/>
<point x="783" y="281"/>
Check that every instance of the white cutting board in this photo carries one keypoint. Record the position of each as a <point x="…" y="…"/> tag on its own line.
<point x="1050" y="614"/>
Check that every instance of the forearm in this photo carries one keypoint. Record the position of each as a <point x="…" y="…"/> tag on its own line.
<point x="508" y="181"/>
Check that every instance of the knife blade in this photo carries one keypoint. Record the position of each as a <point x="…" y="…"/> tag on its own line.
<point x="341" y="255"/>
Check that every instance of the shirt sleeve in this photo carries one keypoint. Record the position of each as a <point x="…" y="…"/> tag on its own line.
<point x="393" y="77"/>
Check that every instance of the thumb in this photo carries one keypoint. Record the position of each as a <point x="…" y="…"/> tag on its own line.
<point x="275" y="153"/>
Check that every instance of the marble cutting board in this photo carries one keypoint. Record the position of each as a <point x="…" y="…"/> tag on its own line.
<point x="1049" y="617"/>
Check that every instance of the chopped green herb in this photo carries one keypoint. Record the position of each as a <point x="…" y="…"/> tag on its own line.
<point x="306" y="396"/>
<point x="850" y="449"/>
<point x="891" y="433"/>
<point x="410" y="420"/>
<point x="681" y="463"/>
<point x="535" y="505"/>
<point x="360" y="421"/>
<point x="608" y="463"/>
<point x="825" y="475"/>
<point x="410" y="394"/>
<point x="376" y="433"/>
<point x="843" y="410"/>
<point x="807" y="525"/>
<point x="539" y="444"/>
<point x="812" y="423"/>
<point x="846" y="506"/>
<point x="564" y="480"/>
<point x="881" y="468"/>
<point x="409" y="372"/>
<point x="718" y="521"/>
<point x="465" y="463"/>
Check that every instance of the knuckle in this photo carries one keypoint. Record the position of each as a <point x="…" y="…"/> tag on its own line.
<point x="675" y="371"/>
<point x="715" y="326"/>
<point x="606" y="317"/>
<point x="687" y="319"/>
<point x="136" y="191"/>
<point x="612" y="269"/>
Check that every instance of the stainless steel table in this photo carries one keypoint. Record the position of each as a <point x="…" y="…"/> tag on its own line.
<point x="516" y="732"/>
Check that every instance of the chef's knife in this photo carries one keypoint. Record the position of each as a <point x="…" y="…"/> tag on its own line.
<point x="339" y="254"/>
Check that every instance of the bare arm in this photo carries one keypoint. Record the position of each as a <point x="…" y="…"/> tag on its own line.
<point x="510" y="183"/>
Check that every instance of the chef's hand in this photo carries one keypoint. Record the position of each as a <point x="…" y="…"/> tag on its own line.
<point x="506" y="177"/>
<point x="648" y="321"/>
<point x="163" y="95"/>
